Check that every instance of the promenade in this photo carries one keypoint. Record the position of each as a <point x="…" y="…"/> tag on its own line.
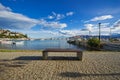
<point x="30" y="66"/>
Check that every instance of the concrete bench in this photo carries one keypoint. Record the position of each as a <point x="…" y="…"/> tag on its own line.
<point x="45" y="52"/>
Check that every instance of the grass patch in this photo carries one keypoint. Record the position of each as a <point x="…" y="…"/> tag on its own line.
<point x="9" y="50"/>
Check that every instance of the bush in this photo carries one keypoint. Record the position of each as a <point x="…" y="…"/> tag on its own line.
<point x="93" y="43"/>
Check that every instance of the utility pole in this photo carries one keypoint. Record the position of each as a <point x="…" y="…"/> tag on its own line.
<point x="99" y="31"/>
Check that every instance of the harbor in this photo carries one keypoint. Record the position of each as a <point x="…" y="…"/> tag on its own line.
<point x="59" y="39"/>
<point x="36" y="44"/>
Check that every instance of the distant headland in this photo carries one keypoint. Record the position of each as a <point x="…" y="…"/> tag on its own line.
<point x="7" y="34"/>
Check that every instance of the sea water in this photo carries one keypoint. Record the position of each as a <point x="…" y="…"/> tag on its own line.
<point x="38" y="45"/>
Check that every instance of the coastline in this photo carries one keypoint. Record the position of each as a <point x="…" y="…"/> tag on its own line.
<point x="13" y="50"/>
<point x="14" y="38"/>
<point x="86" y="51"/>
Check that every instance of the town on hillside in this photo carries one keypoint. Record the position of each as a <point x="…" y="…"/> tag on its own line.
<point x="11" y="35"/>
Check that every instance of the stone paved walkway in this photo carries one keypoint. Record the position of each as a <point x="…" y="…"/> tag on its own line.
<point x="95" y="66"/>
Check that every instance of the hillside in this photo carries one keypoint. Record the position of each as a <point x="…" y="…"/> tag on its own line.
<point x="10" y="34"/>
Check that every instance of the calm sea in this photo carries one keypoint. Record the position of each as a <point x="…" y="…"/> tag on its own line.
<point x="37" y="45"/>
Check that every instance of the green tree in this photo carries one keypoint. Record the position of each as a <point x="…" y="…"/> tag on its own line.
<point x="94" y="43"/>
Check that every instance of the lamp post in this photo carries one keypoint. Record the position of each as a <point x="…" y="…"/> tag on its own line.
<point x="99" y="31"/>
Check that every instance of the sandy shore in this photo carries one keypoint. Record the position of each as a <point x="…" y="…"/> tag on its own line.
<point x="30" y="66"/>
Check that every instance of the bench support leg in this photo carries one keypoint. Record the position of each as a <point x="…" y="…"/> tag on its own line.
<point x="79" y="55"/>
<point x="45" y="55"/>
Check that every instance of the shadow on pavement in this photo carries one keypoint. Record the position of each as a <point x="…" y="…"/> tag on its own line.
<point x="41" y="58"/>
<point x="77" y="74"/>
<point x="28" y="58"/>
<point x="63" y="58"/>
<point x="13" y="63"/>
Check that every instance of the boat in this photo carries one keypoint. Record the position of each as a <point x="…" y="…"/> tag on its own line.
<point x="19" y="43"/>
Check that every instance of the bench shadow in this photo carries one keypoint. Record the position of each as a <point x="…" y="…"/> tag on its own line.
<point x="62" y="58"/>
<point x="77" y="74"/>
<point x="41" y="58"/>
<point x="15" y="65"/>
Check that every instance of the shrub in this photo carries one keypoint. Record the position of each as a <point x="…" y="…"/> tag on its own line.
<point x="93" y="43"/>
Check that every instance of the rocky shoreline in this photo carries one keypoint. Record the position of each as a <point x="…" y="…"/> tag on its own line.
<point x="105" y="46"/>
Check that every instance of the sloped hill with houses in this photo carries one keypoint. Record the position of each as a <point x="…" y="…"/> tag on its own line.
<point x="10" y="34"/>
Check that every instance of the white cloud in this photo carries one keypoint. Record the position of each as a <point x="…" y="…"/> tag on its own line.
<point x="9" y="19"/>
<point x="116" y="26"/>
<point x="59" y="16"/>
<point x="69" y="13"/>
<point x="52" y="24"/>
<point x="12" y="20"/>
<point x="16" y="20"/>
<point x="105" y="28"/>
<point x="3" y="8"/>
<point x="73" y="32"/>
<point x="56" y="16"/>
<point x="67" y="32"/>
<point x="104" y="17"/>
<point x="105" y="25"/>
<point x="89" y="26"/>
<point x="94" y="28"/>
<point x="50" y="17"/>
<point x="39" y="33"/>
<point x="117" y="23"/>
<point x="99" y="18"/>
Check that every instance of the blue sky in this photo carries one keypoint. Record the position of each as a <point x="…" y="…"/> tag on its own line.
<point x="54" y="18"/>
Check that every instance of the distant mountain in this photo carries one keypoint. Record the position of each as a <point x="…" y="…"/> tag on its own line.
<point x="10" y="34"/>
<point x="115" y="35"/>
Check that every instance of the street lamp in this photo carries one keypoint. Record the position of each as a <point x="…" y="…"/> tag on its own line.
<point x="99" y="30"/>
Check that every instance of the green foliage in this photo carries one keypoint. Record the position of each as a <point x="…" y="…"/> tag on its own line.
<point x="113" y="39"/>
<point x="25" y="36"/>
<point x="93" y="42"/>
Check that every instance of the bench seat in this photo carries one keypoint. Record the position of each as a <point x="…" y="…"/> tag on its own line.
<point x="45" y="52"/>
